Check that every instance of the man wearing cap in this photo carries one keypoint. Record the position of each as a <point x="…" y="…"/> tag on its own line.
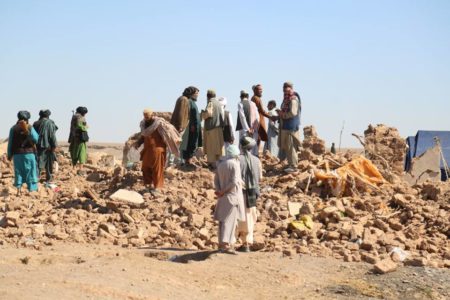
<point x="186" y="119"/>
<point x="78" y="138"/>
<point x="251" y="172"/>
<point x="248" y="119"/>
<point x="230" y="207"/>
<point x="213" y="133"/>
<point x="46" y="144"/>
<point x="257" y="99"/>
<point x="21" y="149"/>
<point x="289" y="116"/>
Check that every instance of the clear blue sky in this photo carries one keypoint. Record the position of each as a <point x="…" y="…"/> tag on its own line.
<point x="359" y="61"/>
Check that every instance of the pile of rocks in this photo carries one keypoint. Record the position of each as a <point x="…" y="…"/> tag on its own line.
<point x="397" y="223"/>
<point x="312" y="141"/>
<point x="385" y="147"/>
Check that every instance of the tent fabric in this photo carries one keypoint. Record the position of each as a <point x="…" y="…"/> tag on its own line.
<point x="423" y="141"/>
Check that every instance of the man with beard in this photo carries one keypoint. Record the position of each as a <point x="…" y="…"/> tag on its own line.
<point x="186" y="119"/>
<point x="262" y="130"/>
<point x="289" y="116"/>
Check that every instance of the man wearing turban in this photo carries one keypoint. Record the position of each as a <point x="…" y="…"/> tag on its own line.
<point x="46" y="144"/>
<point x="21" y="149"/>
<point x="251" y="172"/>
<point x="230" y="207"/>
<point x="213" y="133"/>
<point x="186" y="119"/>
<point x="78" y="138"/>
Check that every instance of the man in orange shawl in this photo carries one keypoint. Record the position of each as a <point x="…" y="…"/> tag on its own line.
<point x="156" y="135"/>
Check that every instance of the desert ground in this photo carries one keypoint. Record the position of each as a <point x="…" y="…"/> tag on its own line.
<point x="76" y="242"/>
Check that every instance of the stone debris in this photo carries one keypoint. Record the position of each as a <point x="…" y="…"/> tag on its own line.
<point x="385" y="148"/>
<point x="113" y="207"/>
<point x="127" y="197"/>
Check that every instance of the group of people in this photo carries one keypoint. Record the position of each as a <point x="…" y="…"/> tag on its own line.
<point x="236" y="165"/>
<point x="32" y="148"/>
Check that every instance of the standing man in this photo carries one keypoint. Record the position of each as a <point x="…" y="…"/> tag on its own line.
<point x="46" y="144"/>
<point x="78" y="138"/>
<point x="156" y="134"/>
<point x="213" y="134"/>
<point x="289" y="115"/>
<point x="186" y="120"/>
<point x="251" y="173"/>
<point x="230" y="207"/>
<point x="248" y="119"/>
<point x="262" y="130"/>
<point x="21" y="149"/>
<point x="272" y="132"/>
<point x="228" y="127"/>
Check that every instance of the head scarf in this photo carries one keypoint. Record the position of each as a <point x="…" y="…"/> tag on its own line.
<point x="222" y="101"/>
<point x="247" y="143"/>
<point x="23" y="115"/>
<point x="232" y="151"/>
<point x="82" y="110"/>
<point x="45" y="113"/>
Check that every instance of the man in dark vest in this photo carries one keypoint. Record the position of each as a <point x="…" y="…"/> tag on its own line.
<point x="289" y="115"/>
<point x="46" y="144"/>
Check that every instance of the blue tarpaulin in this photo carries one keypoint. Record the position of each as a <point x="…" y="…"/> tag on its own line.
<point x="423" y="141"/>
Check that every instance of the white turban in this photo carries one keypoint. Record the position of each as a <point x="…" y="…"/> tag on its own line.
<point x="222" y="101"/>
<point x="233" y="151"/>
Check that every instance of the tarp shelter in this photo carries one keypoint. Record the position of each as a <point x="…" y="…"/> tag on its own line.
<point x="425" y="140"/>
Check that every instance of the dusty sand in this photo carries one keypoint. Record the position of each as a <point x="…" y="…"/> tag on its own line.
<point x="77" y="271"/>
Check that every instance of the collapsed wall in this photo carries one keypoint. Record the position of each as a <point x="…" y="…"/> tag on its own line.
<point x="385" y="147"/>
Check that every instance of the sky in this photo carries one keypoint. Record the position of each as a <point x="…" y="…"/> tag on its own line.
<point x="358" y="62"/>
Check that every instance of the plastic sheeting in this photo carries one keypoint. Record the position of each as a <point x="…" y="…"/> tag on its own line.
<point x="359" y="173"/>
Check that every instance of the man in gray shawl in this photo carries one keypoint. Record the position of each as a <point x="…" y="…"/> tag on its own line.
<point x="46" y="144"/>
<point x="251" y="173"/>
<point x="230" y="207"/>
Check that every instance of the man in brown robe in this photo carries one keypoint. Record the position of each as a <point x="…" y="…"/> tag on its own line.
<point x="262" y="131"/>
<point x="153" y="155"/>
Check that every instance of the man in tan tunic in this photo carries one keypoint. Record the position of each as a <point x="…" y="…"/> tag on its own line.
<point x="213" y="134"/>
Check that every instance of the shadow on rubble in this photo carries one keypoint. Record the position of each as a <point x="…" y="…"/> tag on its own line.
<point x="88" y="205"/>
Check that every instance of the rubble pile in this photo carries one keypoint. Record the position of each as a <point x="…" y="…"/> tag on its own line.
<point x="385" y="147"/>
<point x="386" y="226"/>
<point x="312" y="141"/>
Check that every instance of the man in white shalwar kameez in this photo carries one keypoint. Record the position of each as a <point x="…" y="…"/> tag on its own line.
<point x="230" y="207"/>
